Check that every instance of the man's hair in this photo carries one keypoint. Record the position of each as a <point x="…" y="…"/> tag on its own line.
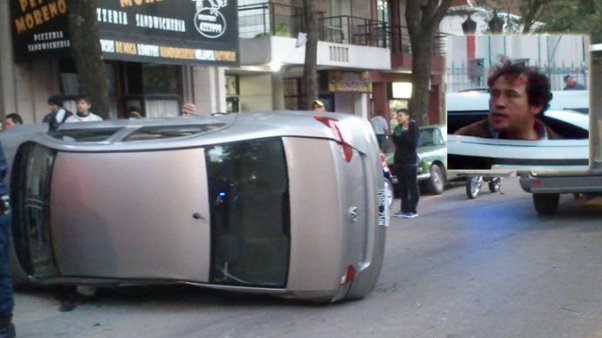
<point x="56" y="100"/>
<point x="566" y="77"/>
<point x="15" y="117"/>
<point x="83" y="98"/>
<point x="403" y="110"/>
<point x="538" y="85"/>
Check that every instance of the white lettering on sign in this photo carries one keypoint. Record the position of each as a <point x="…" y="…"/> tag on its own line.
<point x="111" y="16"/>
<point x="160" y="23"/>
<point x="107" y="46"/>
<point x="148" y="50"/>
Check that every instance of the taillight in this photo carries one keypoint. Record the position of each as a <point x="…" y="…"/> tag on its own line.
<point x="536" y="183"/>
<point x="349" y="275"/>
<point x="332" y="124"/>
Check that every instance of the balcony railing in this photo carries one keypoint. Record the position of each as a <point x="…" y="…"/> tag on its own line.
<point x="272" y="18"/>
<point x="269" y="18"/>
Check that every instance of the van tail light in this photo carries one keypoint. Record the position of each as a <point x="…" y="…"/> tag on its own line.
<point x="349" y="275"/>
<point x="332" y="124"/>
<point x="536" y="183"/>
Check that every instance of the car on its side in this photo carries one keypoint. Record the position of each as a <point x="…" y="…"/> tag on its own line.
<point x="290" y="204"/>
<point x="432" y="153"/>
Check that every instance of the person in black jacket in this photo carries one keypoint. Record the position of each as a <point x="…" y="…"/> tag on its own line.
<point x="405" y="138"/>
<point x="7" y="329"/>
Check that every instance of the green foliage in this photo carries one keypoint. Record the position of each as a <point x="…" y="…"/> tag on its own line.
<point x="574" y="16"/>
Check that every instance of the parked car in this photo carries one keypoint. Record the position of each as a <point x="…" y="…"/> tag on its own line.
<point x="432" y="151"/>
<point x="285" y="203"/>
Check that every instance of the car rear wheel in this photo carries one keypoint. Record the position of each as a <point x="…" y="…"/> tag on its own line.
<point x="473" y="186"/>
<point x="495" y="184"/>
<point x="546" y="204"/>
<point x="436" y="183"/>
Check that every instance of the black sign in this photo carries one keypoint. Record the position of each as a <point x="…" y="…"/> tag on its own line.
<point x="172" y="31"/>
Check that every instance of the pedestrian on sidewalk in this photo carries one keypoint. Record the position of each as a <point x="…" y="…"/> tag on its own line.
<point x="405" y="138"/>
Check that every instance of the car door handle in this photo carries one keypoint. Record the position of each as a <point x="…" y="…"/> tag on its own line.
<point x="197" y="215"/>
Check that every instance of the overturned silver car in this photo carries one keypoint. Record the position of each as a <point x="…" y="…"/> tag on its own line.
<point x="286" y="203"/>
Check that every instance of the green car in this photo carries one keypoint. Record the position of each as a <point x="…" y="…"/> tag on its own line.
<point x="432" y="153"/>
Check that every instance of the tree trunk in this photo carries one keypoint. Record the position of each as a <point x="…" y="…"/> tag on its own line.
<point x="87" y="54"/>
<point x="310" y="68"/>
<point x="422" y="18"/>
<point x="422" y="52"/>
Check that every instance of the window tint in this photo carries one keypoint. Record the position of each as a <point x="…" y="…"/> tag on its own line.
<point x="250" y="213"/>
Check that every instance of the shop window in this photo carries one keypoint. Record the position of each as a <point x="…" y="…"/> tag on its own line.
<point x="232" y="93"/>
<point x="161" y="79"/>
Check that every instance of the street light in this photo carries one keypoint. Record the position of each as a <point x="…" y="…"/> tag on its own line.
<point x="496" y="24"/>
<point x="469" y="26"/>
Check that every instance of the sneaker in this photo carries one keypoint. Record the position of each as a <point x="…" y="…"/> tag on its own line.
<point x="410" y="214"/>
<point x="399" y="214"/>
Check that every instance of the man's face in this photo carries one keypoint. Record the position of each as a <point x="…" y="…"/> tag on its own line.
<point x="8" y="123"/>
<point x="83" y="107"/>
<point x="402" y="118"/>
<point x="509" y="109"/>
<point x="570" y="81"/>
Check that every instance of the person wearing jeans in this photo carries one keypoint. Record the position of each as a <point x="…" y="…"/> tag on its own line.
<point x="405" y="137"/>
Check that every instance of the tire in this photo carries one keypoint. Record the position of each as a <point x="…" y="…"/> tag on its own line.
<point x="436" y="183"/>
<point x="473" y="186"/>
<point x="495" y="184"/>
<point x="546" y="204"/>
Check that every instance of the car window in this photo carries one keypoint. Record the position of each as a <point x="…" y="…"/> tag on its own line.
<point x="437" y="138"/>
<point x="425" y="138"/>
<point x="31" y="209"/>
<point x="84" y="135"/>
<point x="164" y="132"/>
<point x="250" y="213"/>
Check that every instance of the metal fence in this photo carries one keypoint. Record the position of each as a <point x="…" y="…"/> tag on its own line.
<point x="463" y="76"/>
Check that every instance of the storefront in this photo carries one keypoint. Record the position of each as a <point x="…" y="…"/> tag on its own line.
<point x="157" y="55"/>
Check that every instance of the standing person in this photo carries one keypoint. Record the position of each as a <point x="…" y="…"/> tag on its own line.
<point x="11" y="120"/>
<point x="379" y="124"/>
<point x="55" y="103"/>
<point x="83" y="112"/>
<point x="405" y="138"/>
<point x="7" y="329"/>
<point x="572" y="84"/>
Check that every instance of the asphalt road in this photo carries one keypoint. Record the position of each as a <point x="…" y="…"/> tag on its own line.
<point x="489" y="267"/>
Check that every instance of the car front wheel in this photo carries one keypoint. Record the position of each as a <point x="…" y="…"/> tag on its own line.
<point x="436" y="183"/>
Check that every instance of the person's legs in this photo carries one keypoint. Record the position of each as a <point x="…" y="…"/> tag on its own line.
<point x="381" y="141"/>
<point x="6" y="287"/>
<point x="403" y="187"/>
<point x="412" y="184"/>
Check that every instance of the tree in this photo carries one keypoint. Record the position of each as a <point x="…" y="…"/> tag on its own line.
<point x="554" y="16"/>
<point x="87" y="54"/>
<point x="310" y="68"/>
<point x="423" y="18"/>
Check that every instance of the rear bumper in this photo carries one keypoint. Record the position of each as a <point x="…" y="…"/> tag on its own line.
<point x="585" y="182"/>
